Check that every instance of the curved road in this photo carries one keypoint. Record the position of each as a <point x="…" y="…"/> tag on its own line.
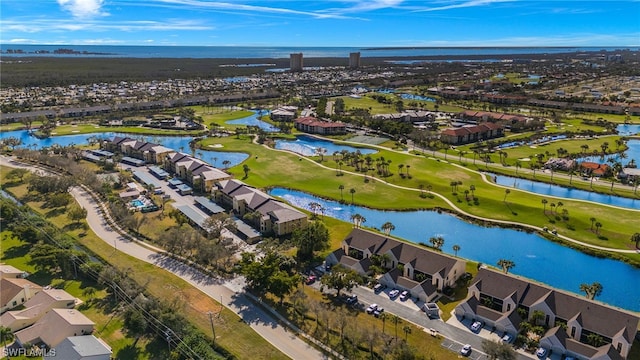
<point x="229" y="292"/>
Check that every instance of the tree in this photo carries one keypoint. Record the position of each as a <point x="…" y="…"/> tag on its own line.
<point x="636" y="239"/>
<point x="77" y="213"/>
<point x="6" y="334"/>
<point x="496" y="350"/>
<point x="135" y="323"/>
<point x="89" y="292"/>
<point x="506" y="192"/>
<point x="341" y="188"/>
<point x="396" y="320"/>
<point x="506" y="265"/>
<point x="314" y="237"/>
<point x="456" y="248"/>
<point x="437" y="242"/>
<point x="341" y="278"/>
<point x="407" y="331"/>
<point x="246" y="169"/>
<point x="591" y="290"/>
<point x="216" y="223"/>
<point x="388" y="227"/>
<point x="18" y="173"/>
<point x="598" y="226"/>
<point x="225" y="164"/>
<point x="593" y="220"/>
<point x="544" y="205"/>
<point x="352" y="191"/>
<point x="358" y="220"/>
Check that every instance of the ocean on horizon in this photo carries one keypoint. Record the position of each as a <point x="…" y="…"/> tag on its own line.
<point x="277" y="52"/>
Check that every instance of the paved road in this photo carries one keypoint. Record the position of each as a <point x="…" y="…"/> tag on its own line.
<point x="231" y="292"/>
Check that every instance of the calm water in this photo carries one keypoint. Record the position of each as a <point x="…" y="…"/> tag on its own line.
<point x="253" y="120"/>
<point x="632" y="153"/>
<point x="535" y="257"/>
<point x="254" y="52"/>
<point x="626" y="130"/>
<point x="307" y="146"/>
<point x="561" y="191"/>
<point x="179" y="143"/>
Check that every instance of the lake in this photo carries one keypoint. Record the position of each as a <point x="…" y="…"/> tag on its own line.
<point x="178" y="143"/>
<point x="308" y="146"/>
<point x="565" y="192"/>
<point x="253" y="120"/>
<point x="535" y="257"/>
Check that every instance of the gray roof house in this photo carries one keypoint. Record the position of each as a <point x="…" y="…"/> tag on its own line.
<point x="86" y="347"/>
<point x="424" y="273"/>
<point x="495" y="298"/>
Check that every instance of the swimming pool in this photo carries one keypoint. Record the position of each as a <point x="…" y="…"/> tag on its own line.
<point x="137" y="203"/>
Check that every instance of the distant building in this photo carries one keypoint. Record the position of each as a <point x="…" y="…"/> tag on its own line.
<point x="313" y="125"/>
<point x="295" y="62"/>
<point x="471" y="133"/>
<point x="354" y="60"/>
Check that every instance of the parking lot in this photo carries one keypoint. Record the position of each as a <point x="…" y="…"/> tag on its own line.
<point x="456" y="346"/>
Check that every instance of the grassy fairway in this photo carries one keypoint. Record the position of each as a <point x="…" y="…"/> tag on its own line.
<point x="233" y="334"/>
<point x="94" y="128"/>
<point x="296" y="172"/>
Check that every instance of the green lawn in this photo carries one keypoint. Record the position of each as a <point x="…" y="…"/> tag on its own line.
<point x="87" y="128"/>
<point x="296" y="172"/>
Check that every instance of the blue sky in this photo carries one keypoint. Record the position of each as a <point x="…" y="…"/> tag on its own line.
<point x="322" y="23"/>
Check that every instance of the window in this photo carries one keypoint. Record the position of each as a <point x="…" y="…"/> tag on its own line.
<point x="573" y="331"/>
<point x="508" y="307"/>
<point x="619" y="347"/>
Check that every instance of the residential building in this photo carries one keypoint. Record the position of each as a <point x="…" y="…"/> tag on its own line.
<point x="265" y="212"/>
<point x="424" y="273"/>
<point x="55" y="326"/>
<point x="504" y="301"/>
<point x="295" y="62"/>
<point x="471" y="133"/>
<point x="8" y="271"/>
<point x="354" y="60"/>
<point x="197" y="173"/>
<point x="594" y="169"/>
<point x="315" y="126"/>
<point x="36" y="307"/>
<point x="82" y="348"/>
<point x="15" y="292"/>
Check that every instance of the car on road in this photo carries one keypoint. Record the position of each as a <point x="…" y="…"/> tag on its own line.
<point x="466" y="350"/>
<point x="507" y="338"/>
<point x="541" y="353"/>
<point x="378" y="311"/>
<point x="351" y="300"/>
<point x="476" y="326"/>
<point x="404" y="295"/>
<point x="310" y="279"/>
<point x="433" y="332"/>
<point x="378" y="288"/>
<point x="394" y="293"/>
<point x="372" y="308"/>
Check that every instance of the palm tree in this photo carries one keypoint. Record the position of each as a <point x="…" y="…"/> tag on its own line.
<point x="396" y="319"/>
<point x="437" y="242"/>
<point x="593" y="220"/>
<point x="506" y="265"/>
<point x="226" y="163"/>
<point x="341" y="187"/>
<point x="407" y="331"/>
<point x="591" y="290"/>
<point x="246" y="170"/>
<point x="456" y="248"/>
<point x="6" y="334"/>
<point x="352" y="191"/>
<point x="544" y="204"/>
<point x="518" y="165"/>
<point x="636" y="239"/>
<point x="598" y="226"/>
<point x="388" y="227"/>
<point x="472" y="188"/>
<point x="506" y="192"/>
<point x="358" y="220"/>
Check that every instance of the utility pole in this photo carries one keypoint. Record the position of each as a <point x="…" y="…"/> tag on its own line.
<point x="213" y="330"/>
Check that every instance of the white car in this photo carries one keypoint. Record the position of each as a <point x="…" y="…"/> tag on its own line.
<point x="404" y="295"/>
<point x="393" y="293"/>
<point x="476" y="326"/>
<point x="507" y="338"/>
<point x="466" y="350"/>
<point x="372" y="308"/>
<point x="541" y="353"/>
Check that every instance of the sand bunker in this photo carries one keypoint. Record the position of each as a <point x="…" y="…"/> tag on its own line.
<point x="215" y="146"/>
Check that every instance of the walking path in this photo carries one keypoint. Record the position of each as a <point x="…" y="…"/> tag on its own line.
<point x="230" y="293"/>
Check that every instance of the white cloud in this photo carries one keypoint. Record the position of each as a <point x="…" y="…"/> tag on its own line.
<point x="57" y="25"/>
<point x="461" y="4"/>
<point x="83" y="8"/>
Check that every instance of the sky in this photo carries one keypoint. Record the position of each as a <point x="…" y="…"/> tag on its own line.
<point x="351" y="23"/>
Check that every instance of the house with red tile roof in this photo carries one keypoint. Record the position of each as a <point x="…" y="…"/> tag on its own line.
<point x="594" y="169"/>
<point x="314" y="125"/>
<point x="471" y="133"/>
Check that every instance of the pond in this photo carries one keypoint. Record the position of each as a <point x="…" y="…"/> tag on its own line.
<point x="565" y="192"/>
<point x="308" y="146"/>
<point x="632" y="153"/>
<point x="535" y="257"/>
<point x="178" y="143"/>
<point x="416" y="97"/>
<point x="254" y="120"/>
<point x="628" y="129"/>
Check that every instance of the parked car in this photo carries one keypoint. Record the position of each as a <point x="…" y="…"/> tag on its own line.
<point x="394" y="293"/>
<point x="404" y="295"/>
<point x="476" y="326"/>
<point x="507" y="338"/>
<point x="378" y="311"/>
<point x="372" y="308"/>
<point x="433" y="332"/>
<point x="378" y="288"/>
<point x="466" y="350"/>
<point x="353" y="299"/>
<point x="310" y="279"/>
<point x="541" y="353"/>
